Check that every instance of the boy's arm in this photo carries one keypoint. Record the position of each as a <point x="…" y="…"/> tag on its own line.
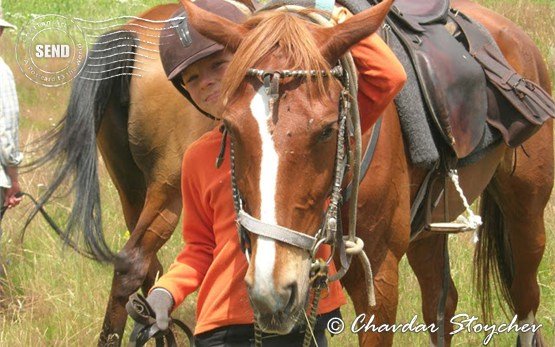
<point x="189" y="268"/>
<point x="380" y="74"/>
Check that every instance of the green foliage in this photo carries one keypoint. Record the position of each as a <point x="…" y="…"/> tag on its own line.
<point x="18" y="12"/>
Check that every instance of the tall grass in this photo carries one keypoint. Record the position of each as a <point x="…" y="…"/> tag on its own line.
<point x="53" y="297"/>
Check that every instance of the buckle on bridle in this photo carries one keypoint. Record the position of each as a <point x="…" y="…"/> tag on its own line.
<point x="319" y="273"/>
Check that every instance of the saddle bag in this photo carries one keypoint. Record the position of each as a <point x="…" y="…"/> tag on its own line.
<point x="517" y="107"/>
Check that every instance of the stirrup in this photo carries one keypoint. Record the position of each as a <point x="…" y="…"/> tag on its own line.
<point x="462" y="223"/>
<point x="449" y="228"/>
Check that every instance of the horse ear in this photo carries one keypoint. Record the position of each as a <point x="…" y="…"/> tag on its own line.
<point x="219" y="29"/>
<point x="335" y="41"/>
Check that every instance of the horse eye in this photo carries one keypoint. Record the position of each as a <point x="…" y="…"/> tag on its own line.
<point x="326" y="133"/>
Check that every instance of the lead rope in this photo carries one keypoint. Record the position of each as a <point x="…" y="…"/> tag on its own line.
<point x="257" y="334"/>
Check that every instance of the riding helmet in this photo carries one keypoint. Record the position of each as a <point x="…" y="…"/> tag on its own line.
<point x="181" y="45"/>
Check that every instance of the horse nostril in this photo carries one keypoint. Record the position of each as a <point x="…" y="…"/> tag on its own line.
<point x="292" y="289"/>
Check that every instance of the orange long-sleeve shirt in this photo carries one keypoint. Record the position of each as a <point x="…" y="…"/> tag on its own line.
<point x="380" y="77"/>
<point x="211" y="260"/>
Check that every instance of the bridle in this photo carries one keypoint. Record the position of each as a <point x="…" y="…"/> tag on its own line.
<point x="326" y="234"/>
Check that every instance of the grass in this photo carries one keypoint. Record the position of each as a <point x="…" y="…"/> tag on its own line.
<point x="54" y="297"/>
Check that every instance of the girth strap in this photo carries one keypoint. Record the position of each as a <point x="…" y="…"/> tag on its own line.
<point x="276" y="232"/>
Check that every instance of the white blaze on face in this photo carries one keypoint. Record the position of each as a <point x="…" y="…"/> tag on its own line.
<point x="526" y="337"/>
<point x="266" y="248"/>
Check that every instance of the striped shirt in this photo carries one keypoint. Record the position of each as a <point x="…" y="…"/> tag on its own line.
<point x="9" y="117"/>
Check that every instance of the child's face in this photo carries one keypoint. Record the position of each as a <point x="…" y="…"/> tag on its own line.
<point x="203" y="80"/>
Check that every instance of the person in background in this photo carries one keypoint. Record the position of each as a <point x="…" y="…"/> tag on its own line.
<point x="10" y="157"/>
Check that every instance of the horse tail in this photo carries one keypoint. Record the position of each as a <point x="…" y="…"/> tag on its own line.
<point x="71" y="144"/>
<point x="493" y="263"/>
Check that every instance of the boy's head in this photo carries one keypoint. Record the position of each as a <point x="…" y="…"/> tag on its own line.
<point x="194" y="63"/>
<point x="202" y="81"/>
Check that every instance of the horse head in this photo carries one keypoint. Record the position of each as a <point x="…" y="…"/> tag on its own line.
<point x="284" y="129"/>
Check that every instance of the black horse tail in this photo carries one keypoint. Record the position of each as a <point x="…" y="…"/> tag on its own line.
<point x="493" y="262"/>
<point x="71" y="145"/>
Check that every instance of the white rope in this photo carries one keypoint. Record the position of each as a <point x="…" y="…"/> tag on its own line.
<point x="355" y="247"/>
<point x="473" y="221"/>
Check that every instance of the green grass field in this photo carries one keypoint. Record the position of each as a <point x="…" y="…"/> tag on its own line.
<point x="53" y="297"/>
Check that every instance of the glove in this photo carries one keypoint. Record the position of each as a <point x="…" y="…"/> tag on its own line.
<point x="161" y="302"/>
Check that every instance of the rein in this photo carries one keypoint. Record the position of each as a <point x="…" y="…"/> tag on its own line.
<point x="145" y="325"/>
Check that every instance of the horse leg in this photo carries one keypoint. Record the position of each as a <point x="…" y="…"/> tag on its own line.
<point x="386" y="280"/>
<point x="136" y="265"/>
<point x="426" y="253"/>
<point x="385" y="245"/>
<point x="155" y="270"/>
<point x="426" y="258"/>
<point x="515" y="203"/>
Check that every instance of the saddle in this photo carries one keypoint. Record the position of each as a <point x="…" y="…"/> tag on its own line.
<point x="447" y="74"/>
<point x="455" y="69"/>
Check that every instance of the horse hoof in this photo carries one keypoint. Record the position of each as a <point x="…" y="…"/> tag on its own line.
<point x="535" y="341"/>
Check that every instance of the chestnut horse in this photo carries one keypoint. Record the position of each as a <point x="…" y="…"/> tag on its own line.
<point x="284" y="167"/>
<point x="142" y="126"/>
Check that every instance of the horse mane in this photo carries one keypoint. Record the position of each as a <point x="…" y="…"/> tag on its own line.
<point x="277" y="32"/>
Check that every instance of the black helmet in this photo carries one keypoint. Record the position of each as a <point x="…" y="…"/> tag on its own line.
<point x="181" y="45"/>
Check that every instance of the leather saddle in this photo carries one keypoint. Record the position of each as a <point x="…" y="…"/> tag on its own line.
<point x="465" y="80"/>
<point x="452" y="83"/>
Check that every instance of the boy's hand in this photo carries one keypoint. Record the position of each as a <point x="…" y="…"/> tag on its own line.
<point x="12" y="196"/>
<point x="161" y="302"/>
<point x="340" y="14"/>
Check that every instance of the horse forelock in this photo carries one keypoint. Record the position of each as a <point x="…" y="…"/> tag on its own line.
<point x="279" y="34"/>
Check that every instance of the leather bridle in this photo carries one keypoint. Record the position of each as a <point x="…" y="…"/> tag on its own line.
<point x="328" y="230"/>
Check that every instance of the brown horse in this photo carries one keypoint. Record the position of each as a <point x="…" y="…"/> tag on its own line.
<point x="284" y="165"/>
<point x="128" y="118"/>
<point x="123" y="103"/>
<point x="142" y="126"/>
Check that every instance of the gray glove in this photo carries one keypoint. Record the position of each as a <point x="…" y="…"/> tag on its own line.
<point x="161" y="302"/>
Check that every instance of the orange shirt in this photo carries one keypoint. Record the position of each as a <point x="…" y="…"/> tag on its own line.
<point x="380" y="77"/>
<point x="211" y="260"/>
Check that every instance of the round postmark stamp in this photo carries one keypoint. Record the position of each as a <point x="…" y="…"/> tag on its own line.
<point x="50" y="50"/>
